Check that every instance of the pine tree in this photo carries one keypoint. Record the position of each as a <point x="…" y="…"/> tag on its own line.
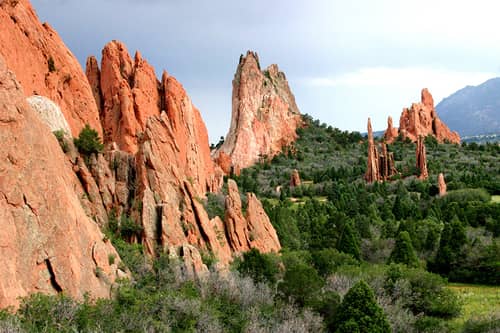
<point x="450" y="251"/>
<point x="348" y="242"/>
<point x="403" y="252"/>
<point x="359" y="312"/>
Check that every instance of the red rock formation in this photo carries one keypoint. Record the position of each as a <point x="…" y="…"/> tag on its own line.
<point x="391" y="133"/>
<point x="386" y="164"/>
<point x="372" y="172"/>
<point x="48" y="243"/>
<point x="422" y="119"/>
<point x="251" y="231"/>
<point x="442" y="185"/>
<point x="421" y="158"/>
<point x="295" y="178"/>
<point x="264" y="114"/>
<point x="44" y="65"/>
<point x="94" y="76"/>
<point x="380" y="166"/>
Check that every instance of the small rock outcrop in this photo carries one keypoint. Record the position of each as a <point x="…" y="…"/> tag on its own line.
<point x="295" y="178"/>
<point x="264" y="115"/>
<point x="421" y="158"/>
<point x="44" y="65"/>
<point x="421" y="119"/>
<point x="380" y="165"/>
<point x="442" y="185"/>
<point x="48" y="242"/>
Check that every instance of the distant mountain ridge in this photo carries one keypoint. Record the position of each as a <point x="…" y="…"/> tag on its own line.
<point x="473" y="110"/>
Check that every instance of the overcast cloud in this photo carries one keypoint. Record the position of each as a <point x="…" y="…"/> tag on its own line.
<point x="345" y="60"/>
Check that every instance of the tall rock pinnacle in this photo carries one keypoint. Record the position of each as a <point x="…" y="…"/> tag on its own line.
<point x="264" y="114"/>
<point x="421" y="158"/>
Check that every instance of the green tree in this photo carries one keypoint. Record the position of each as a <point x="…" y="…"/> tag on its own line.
<point x="260" y="267"/>
<point x="450" y="252"/>
<point x="403" y="252"/>
<point x="359" y="312"/>
<point x="349" y="242"/>
<point x="88" y="141"/>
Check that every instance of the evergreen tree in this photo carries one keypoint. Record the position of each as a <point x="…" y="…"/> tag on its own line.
<point x="349" y="242"/>
<point x="88" y="141"/>
<point x="359" y="312"/>
<point x="450" y="252"/>
<point x="403" y="252"/>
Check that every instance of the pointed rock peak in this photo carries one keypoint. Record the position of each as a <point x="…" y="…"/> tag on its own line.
<point x="370" y="130"/>
<point x="137" y="57"/>
<point x="389" y="122"/>
<point x="91" y="64"/>
<point x="264" y="117"/>
<point x="427" y="99"/>
<point x="164" y="76"/>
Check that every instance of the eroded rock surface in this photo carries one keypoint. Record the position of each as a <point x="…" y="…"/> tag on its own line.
<point x="44" y="65"/>
<point x="421" y="158"/>
<point x="48" y="242"/>
<point x="264" y="115"/>
<point x="421" y="119"/>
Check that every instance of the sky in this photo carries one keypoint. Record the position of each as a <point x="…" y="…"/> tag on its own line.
<point x="345" y="61"/>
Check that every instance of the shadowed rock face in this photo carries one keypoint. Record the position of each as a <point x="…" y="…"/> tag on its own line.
<point x="421" y="119"/>
<point x="48" y="242"/>
<point x="264" y="114"/>
<point x="44" y="66"/>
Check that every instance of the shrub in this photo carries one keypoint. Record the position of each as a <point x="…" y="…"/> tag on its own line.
<point x="51" y="64"/>
<point x="59" y="134"/>
<point x="88" y="141"/>
<point x="359" y="312"/>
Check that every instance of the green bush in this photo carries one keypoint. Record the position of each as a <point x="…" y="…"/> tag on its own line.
<point x="88" y="141"/>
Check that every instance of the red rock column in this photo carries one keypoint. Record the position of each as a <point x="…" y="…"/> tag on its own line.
<point x="372" y="170"/>
<point x="421" y="158"/>
<point x="442" y="185"/>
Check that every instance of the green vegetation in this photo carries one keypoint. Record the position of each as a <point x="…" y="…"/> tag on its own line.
<point x="359" y="312"/>
<point x="355" y="257"/>
<point x="88" y="141"/>
<point x="481" y="307"/>
<point x="51" y="64"/>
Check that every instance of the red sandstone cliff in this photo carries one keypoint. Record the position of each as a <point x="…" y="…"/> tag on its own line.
<point x="380" y="165"/>
<point x="48" y="242"/>
<point x="421" y="119"/>
<point x="44" y="65"/>
<point x="264" y="114"/>
<point x="156" y="167"/>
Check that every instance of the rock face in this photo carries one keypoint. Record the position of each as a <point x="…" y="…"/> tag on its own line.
<point x="48" y="243"/>
<point x="380" y="166"/>
<point x="442" y="185"/>
<point x="50" y="113"/>
<point x="264" y="114"/>
<point x="251" y="231"/>
<point x="295" y="178"/>
<point x="421" y="119"/>
<point x="44" y="65"/>
<point x="421" y="158"/>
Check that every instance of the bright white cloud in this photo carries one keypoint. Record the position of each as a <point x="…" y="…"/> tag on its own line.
<point x="441" y="82"/>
